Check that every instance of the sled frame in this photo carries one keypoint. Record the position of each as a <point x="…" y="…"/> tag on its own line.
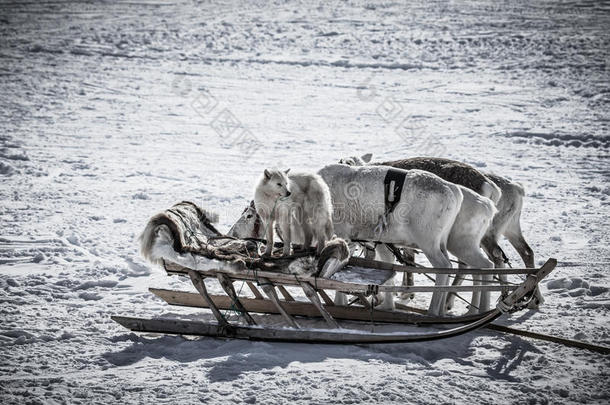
<point x="314" y="289"/>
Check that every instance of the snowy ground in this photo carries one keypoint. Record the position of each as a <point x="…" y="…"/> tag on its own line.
<point x="112" y="111"/>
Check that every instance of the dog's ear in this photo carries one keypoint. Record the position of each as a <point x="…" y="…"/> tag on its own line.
<point x="366" y="158"/>
<point x="267" y="174"/>
<point x="286" y="171"/>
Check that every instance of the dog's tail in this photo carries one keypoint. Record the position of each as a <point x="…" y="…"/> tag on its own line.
<point x="147" y="239"/>
<point x="157" y="227"/>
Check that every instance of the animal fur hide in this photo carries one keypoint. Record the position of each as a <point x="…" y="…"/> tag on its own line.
<point x="184" y="234"/>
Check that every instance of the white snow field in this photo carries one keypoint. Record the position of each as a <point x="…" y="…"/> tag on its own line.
<point x="112" y="111"/>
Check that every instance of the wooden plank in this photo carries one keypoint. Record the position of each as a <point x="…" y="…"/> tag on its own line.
<point x="227" y="285"/>
<point x="376" y="264"/>
<point x="255" y="290"/>
<point x="270" y="290"/>
<point x="299" y="308"/>
<point x="409" y="308"/>
<point x="327" y="300"/>
<point x="362" y="299"/>
<point x="275" y="334"/>
<point x="285" y="293"/>
<point x="312" y="294"/>
<point x="200" y="286"/>
<point x="350" y="288"/>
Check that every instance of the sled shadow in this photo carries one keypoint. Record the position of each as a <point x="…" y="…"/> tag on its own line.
<point x="227" y="360"/>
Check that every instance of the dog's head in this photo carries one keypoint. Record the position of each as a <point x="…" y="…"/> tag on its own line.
<point x="356" y="161"/>
<point x="276" y="183"/>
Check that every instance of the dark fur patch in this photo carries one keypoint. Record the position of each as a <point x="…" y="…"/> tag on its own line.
<point x="188" y="223"/>
<point x="447" y="169"/>
<point x="192" y="232"/>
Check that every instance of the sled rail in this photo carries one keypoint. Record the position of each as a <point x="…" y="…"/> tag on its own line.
<point x="334" y="336"/>
<point x="275" y="334"/>
<point x="299" y="308"/>
<point x="375" y="264"/>
<point x="329" y="284"/>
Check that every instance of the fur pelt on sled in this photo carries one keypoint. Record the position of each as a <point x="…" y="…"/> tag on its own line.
<point x="184" y="234"/>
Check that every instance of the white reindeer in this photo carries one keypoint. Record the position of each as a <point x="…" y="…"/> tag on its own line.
<point x="472" y="222"/>
<point x="506" y="194"/>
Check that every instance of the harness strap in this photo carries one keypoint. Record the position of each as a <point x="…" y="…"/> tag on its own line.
<point x="392" y="190"/>
<point x="392" y="185"/>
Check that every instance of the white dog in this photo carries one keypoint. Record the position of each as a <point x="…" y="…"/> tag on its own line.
<point x="301" y="200"/>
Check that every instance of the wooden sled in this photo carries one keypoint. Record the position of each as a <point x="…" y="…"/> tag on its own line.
<point x="230" y="260"/>
<point x="316" y="290"/>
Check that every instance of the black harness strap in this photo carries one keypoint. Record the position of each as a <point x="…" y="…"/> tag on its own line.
<point x="392" y="186"/>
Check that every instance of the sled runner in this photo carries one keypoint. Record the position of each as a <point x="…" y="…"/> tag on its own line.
<point x="185" y="243"/>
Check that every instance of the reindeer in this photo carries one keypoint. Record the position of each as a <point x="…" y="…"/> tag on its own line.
<point x="507" y="196"/>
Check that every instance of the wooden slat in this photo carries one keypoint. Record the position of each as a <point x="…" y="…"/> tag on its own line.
<point x="376" y="264"/>
<point x="227" y="285"/>
<point x="285" y="293"/>
<point x="362" y="299"/>
<point x="312" y="294"/>
<point x="350" y="288"/>
<point x="200" y="286"/>
<point x="255" y="290"/>
<point x="327" y="300"/>
<point x="270" y="290"/>
<point x="299" y="308"/>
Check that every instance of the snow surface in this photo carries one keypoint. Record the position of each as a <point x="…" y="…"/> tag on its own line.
<point x="112" y="111"/>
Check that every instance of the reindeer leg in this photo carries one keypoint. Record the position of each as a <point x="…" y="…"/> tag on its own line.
<point x="522" y="247"/>
<point x="384" y="254"/>
<point x="437" y="303"/>
<point x="515" y="237"/>
<point x="480" y="299"/>
<point x="458" y="280"/>
<point x="494" y="253"/>
<point x="407" y="278"/>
